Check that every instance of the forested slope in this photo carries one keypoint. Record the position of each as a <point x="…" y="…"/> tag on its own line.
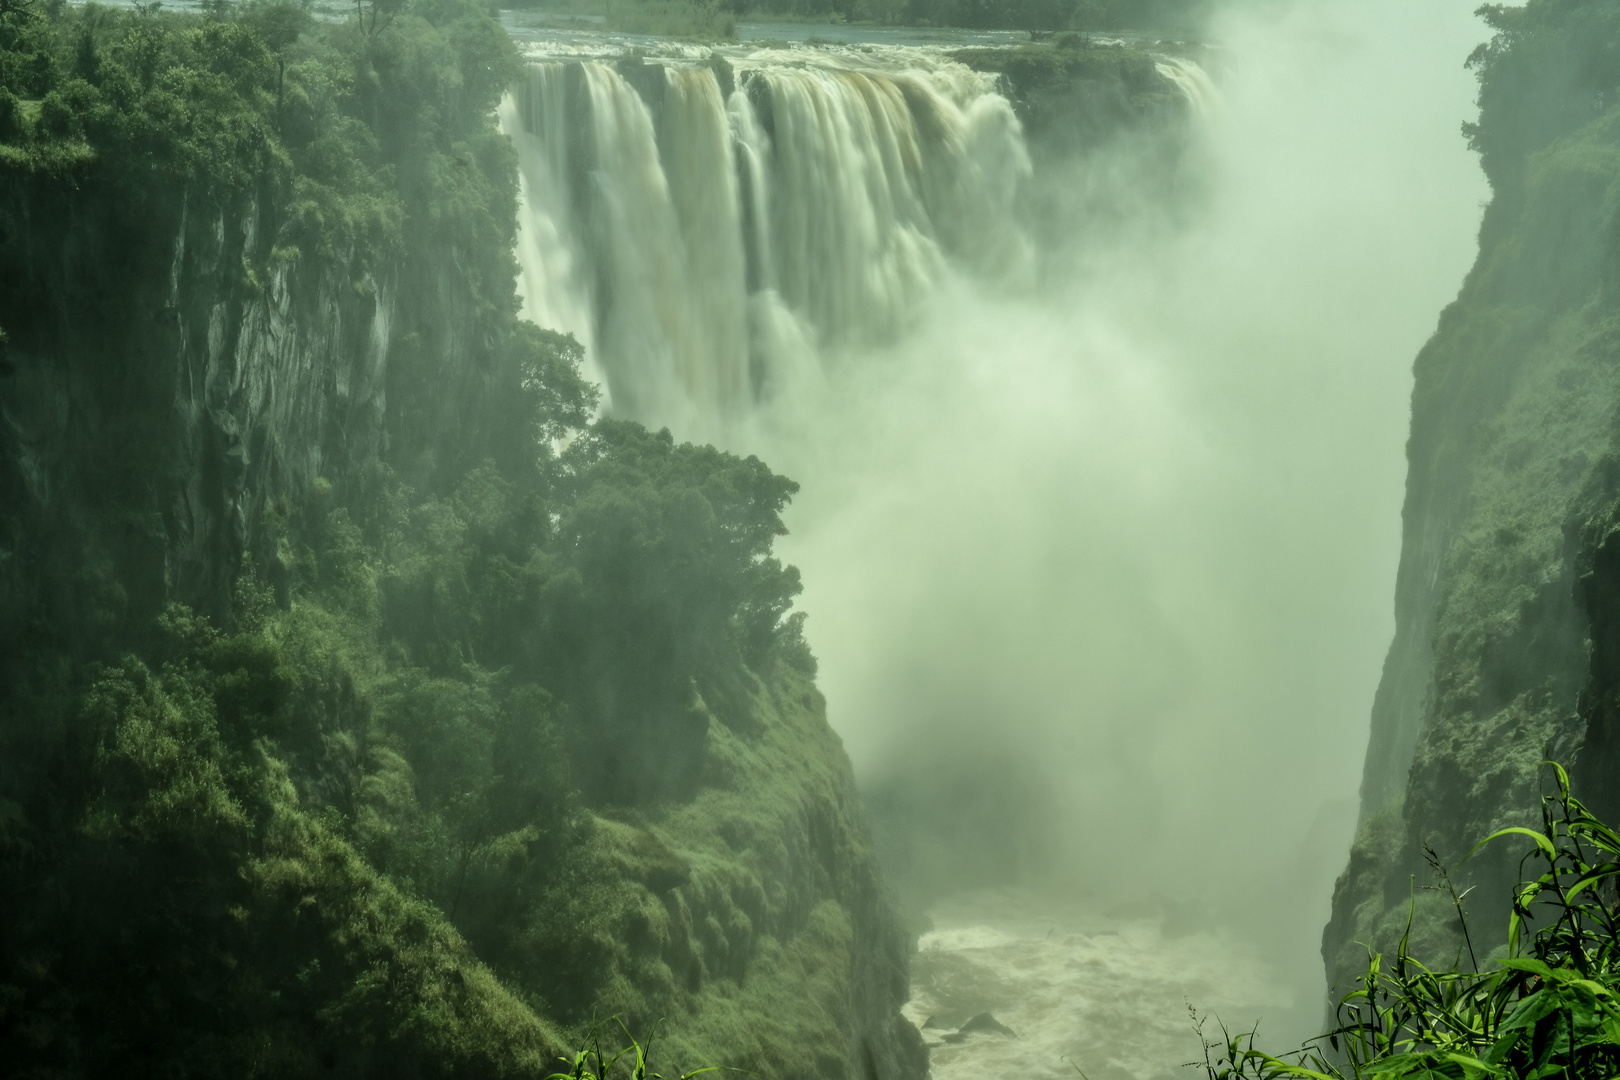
<point x="365" y="708"/>
<point x="1507" y="608"/>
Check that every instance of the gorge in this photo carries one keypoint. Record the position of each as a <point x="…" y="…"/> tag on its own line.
<point x="404" y="658"/>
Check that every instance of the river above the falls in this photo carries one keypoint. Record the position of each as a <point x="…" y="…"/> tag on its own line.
<point x="573" y="30"/>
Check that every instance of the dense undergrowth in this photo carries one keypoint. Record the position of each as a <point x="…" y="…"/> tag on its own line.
<point x="1545" y="1005"/>
<point x="404" y="801"/>
<point x="287" y="845"/>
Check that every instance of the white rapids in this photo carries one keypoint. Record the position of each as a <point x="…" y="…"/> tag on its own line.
<point x="1111" y="996"/>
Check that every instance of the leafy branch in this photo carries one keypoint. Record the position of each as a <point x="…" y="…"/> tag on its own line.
<point x="1549" y="1009"/>
<point x="594" y="1063"/>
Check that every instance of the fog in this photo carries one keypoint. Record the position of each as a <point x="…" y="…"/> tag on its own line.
<point x="1100" y="574"/>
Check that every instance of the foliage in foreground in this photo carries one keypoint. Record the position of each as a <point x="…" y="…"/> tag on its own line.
<point x="591" y="1062"/>
<point x="1549" y="1008"/>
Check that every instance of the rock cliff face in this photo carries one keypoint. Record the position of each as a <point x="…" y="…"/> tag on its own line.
<point x="164" y="358"/>
<point x="1075" y="95"/>
<point x="1505" y="601"/>
<point x="175" y="389"/>
<point x="146" y="370"/>
<point x="1111" y="134"/>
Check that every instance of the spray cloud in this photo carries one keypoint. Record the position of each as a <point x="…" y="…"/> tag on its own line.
<point x="1099" y="553"/>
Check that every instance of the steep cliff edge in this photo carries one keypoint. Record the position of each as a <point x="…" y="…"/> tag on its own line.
<point x="1109" y="132"/>
<point x="1505" y="599"/>
<point x="348" y="724"/>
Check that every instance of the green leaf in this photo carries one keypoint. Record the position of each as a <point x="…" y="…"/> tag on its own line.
<point x="1541" y="840"/>
<point x="1532" y="1010"/>
<point x="1592" y="877"/>
<point x="1530" y="964"/>
<point x="1563" y="778"/>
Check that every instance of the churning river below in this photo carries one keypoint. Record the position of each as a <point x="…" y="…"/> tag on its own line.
<point x="1114" y="997"/>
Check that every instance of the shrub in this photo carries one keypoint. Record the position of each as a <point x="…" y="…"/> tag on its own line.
<point x="1549" y="1008"/>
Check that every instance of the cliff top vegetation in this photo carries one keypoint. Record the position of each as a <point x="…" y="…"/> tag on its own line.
<point x="499" y="718"/>
<point x="357" y="128"/>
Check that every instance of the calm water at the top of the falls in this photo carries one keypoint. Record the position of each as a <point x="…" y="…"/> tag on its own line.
<point x="588" y="33"/>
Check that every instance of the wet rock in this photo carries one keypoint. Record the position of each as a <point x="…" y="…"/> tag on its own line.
<point x="986" y="1022"/>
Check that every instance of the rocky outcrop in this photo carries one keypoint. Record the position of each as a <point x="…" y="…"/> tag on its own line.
<point x="1111" y="136"/>
<point x="167" y="382"/>
<point x="1073" y="94"/>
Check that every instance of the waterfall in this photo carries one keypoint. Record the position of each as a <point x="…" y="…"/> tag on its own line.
<point x="1194" y="83"/>
<point x="551" y="274"/>
<point x="710" y="231"/>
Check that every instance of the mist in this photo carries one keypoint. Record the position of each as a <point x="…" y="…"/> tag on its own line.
<point x="1099" y="548"/>
<point x="1099" y="573"/>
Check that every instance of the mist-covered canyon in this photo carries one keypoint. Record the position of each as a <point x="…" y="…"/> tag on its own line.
<point x="862" y="539"/>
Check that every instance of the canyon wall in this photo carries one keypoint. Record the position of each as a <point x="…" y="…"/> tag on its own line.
<point x="1505" y="602"/>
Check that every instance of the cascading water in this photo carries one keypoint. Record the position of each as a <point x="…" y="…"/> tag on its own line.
<point x="713" y="244"/>
<point x="1194" y="82"/>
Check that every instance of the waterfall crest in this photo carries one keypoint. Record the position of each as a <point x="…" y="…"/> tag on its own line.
<point x="712" y="232"/>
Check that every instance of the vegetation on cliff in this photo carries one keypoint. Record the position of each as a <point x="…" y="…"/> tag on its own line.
<point x="356" y="132"/>
<point x="366" y="708"/>
<point x="348" y="832"/>
<point x="1504" y="609"/>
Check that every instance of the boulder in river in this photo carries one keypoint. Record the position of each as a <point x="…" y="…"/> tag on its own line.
<point x="986" y="1022"/>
